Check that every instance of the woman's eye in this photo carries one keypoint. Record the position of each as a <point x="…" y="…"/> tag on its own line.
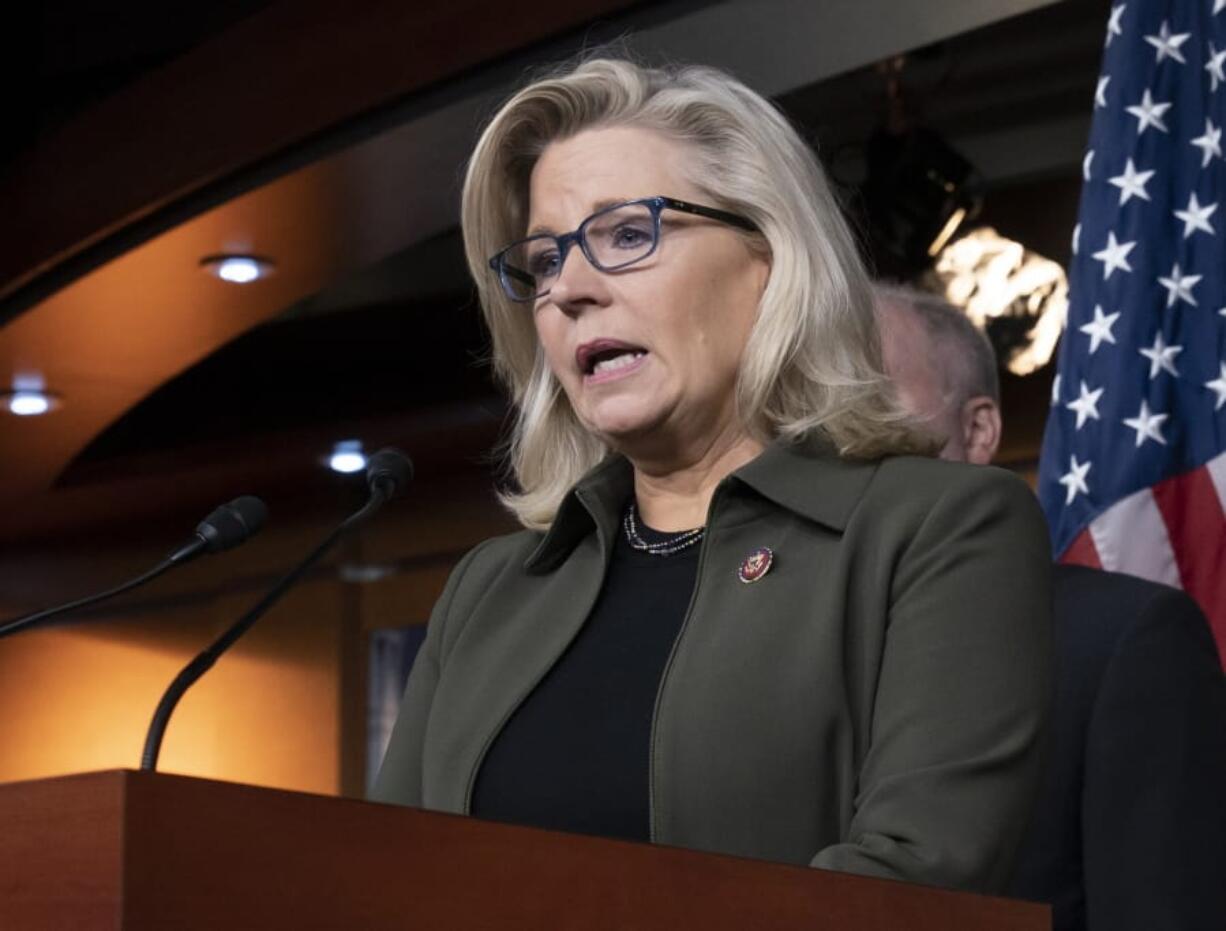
<point x="543" y="264"/>
<point x="630" y="237"/>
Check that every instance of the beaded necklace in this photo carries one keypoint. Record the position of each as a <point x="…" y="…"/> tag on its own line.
<point x="666" y="547"/>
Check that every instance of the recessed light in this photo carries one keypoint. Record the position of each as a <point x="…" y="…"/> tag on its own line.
<point x="347" y="457"/>
<point x="364" y="573"/>
<point x="238" y="269"/>
<point x="28" y="402"/>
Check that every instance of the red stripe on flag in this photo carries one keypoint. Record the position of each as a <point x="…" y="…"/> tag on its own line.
<point x="1197" y="528"/>
<point x="1082" y="551"/>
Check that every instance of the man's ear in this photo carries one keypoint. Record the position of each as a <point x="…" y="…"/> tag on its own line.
<point x="981" y="428"/>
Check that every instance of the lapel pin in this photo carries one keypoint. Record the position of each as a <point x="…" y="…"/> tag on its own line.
<point x="755" y="565"/>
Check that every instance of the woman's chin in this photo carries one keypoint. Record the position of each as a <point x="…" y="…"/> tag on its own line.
<point x="621" y="424"/>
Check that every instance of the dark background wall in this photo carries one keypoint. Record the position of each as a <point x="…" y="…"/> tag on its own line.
<point x="330" y="139"/>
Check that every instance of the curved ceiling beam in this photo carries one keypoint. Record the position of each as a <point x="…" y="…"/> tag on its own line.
<point x="284" y="75"/>
<point x="106" y="338"/>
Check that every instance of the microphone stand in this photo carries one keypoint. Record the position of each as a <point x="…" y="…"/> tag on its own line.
<point x="224" y="528"/>
<point x="30" y="620"/>
<point x="381" y="490"/>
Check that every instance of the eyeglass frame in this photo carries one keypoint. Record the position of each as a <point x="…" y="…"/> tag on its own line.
<point x="578" y="236"/>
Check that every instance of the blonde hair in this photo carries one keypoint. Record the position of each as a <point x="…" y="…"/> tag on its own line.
<point x="813" y="359"/>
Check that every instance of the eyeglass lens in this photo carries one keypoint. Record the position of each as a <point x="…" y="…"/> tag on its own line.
<point x="614" y="238"/>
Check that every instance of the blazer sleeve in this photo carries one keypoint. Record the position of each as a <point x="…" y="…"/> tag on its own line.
<point x="400" y="776"/>
<point x="1154" y="800"/>
<point x="962" y="695"/>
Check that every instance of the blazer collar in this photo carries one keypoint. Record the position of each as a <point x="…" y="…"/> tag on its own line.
<point x="807" y="477"/>
<point x="596" y="501"/>
<point x="810" y="478"/>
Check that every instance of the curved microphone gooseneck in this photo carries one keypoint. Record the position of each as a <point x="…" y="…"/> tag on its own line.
<point x="226" y="527"/>
<point x="387" y="473"/>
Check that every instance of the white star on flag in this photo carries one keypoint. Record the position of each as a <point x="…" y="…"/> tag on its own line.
<point x="1114" y="255"/>
<point x="1161" y="357"/>
<point x="1179" y="286"/>
<point x="1210" y="142"/>
<point x="1131" y="183"/>
<point x="1055" y="385"/>
<point x="1215" y="64"/>
<point x="1149" y="113"/>
<point x="1099" y="329"/>
<point x="1218" y="387"/>
<point x="1113" y="25"/>
<point x="1143" y="359"/>
<point x="1075" y="479"/>
<point x="1086" y="406"/>
<point x="1147" y="424"/>
<point x="1167" y="44"/>
<point x="1196" y="217"/>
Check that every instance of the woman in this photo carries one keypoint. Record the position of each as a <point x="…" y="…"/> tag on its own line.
<point x="737" y="619"/>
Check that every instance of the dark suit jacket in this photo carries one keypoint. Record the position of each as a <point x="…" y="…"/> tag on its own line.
<point x="874" y="703"/>
<point x="1130" y="831"/>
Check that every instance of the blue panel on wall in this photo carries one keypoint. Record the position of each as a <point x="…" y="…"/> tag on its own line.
<point x="391" y="657"/>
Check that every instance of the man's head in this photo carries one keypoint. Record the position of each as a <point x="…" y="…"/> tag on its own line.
<point x="944" y="369"/>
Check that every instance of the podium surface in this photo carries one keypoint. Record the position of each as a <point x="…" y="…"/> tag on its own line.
<point x="136" y="850"/>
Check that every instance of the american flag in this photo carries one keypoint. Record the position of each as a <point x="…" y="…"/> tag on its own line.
<point x="1133" y="469"/>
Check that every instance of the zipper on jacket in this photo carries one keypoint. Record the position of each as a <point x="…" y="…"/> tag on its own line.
<point x="489" y="741"/>
<point x="685" y="623"/>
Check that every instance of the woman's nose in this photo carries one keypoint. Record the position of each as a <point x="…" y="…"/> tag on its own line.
<point x="578" y="285"/>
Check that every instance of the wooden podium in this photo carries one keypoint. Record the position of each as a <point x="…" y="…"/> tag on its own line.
<point x="132" y="850"/>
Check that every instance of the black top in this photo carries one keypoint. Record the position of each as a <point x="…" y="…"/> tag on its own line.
<point x="574" y="756"/>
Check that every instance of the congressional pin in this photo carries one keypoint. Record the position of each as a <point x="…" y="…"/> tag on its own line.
<point x="755" y="565"/>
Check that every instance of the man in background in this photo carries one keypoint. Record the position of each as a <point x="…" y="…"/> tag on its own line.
<point x="1129" y="831"/>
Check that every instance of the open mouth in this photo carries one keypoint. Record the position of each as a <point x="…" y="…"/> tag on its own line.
<point x="605" y="359"/>
<point x="613" y="360"/>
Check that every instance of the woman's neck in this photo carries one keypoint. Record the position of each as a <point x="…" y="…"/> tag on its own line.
<point x="675" y="496"/>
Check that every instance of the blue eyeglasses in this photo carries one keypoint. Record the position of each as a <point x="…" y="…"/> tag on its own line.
<point x="610" y="239"/>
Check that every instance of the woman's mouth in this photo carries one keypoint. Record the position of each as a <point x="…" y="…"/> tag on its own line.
<point x="607" y="360"/>
<point x="613" y="367"/>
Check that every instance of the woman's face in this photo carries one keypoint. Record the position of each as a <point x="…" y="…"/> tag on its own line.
<point x="669" y="331"/>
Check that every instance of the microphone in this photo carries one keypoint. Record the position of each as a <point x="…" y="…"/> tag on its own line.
<point x="388" y="473"/>
<point x="226" y="527"/>
<point x="389" y="469"/>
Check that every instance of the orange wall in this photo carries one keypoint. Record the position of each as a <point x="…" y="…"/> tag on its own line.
<point x="80" y="698"/>
<point x="285" y="707"/>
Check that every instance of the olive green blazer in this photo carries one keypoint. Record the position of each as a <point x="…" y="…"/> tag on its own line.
<point x="874" y="703"/>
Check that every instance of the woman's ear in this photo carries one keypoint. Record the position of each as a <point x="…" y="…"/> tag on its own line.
<point x="981" y="427"/>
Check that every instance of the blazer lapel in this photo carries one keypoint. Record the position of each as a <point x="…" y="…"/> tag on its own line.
<point x="510" y="644"/>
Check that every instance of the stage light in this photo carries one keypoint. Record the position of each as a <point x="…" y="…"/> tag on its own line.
<point x="918" y="192"/>
<point x="1018" y="296"/>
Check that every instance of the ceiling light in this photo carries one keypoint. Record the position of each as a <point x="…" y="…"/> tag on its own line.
<point x="347" y="457"/>
<point x="238" y="269"/>
<point x="364" y="573"/>
<point x="26" y="402"/>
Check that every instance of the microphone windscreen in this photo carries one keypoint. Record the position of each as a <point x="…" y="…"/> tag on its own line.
<point x="389" y="465"/>
<point x="232" y="523"/>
